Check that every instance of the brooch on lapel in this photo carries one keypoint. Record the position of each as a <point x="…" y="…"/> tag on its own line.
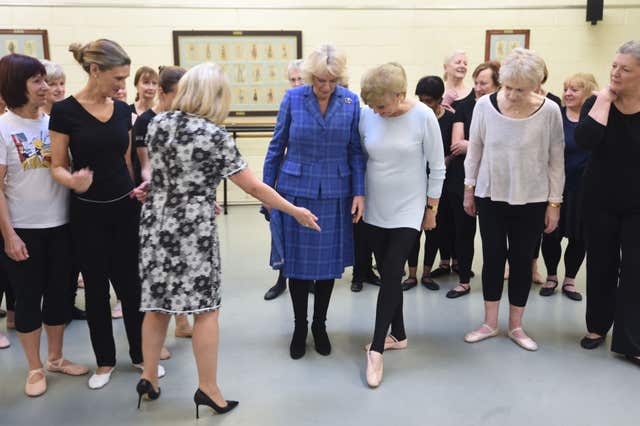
<point x="347" y="100"/>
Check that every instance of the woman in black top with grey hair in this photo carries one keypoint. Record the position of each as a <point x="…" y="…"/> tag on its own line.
<point x="610" y="129"/>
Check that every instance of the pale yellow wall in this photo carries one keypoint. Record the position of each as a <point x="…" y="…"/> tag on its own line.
<point x="417" y="34"/>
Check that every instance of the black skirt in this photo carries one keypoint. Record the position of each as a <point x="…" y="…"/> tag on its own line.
<point x="571" y="215"/>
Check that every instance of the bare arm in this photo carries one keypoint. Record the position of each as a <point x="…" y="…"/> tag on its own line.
<point x="13" y="244"/>
<point x="145" y="164"/>
<point x="248" y="182"/>
<point x="127" y="159"/>
<point x="79" y="181"/>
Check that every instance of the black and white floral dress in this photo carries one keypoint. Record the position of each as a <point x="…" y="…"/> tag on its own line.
<point x="179" y="247"/>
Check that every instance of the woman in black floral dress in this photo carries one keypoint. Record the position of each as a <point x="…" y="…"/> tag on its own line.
<point x="179" y="257"/>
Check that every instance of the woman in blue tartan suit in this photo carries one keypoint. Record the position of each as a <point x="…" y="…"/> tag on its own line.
<point x="322" y="170"/>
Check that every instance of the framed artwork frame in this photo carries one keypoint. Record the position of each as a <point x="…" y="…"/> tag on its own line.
<point x="27" y="42"/>
<point x="255" y="61"/>
<point x="499" y="43"/>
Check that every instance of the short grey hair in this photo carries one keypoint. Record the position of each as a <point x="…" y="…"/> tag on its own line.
<point x="295" y="65"/>
<point x="523" y="66"/>
<point x="326" y="58"/>
<point x="54" y="71"/>
<point x="632" y="47"/>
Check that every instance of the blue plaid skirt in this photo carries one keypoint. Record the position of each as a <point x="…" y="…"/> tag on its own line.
<point x="312" y="255"/>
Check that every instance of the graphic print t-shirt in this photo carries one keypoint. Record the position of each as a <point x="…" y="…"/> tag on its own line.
<point x="35" y="200"/>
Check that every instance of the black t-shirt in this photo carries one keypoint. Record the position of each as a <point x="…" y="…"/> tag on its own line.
<point x="446" y="127"/>
<point x="554" y="98"/>
<point x="97" y="145"/>
<point x="139" y="135"/>
<point x="455" y="172"/>
<point x="470" y="97"/>
<point x="612" y="172"/>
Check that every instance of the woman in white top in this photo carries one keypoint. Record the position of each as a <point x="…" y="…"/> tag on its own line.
<point x="515" y="170"/>
<point x="34" y="221"/>
<point x="401" y="138"/>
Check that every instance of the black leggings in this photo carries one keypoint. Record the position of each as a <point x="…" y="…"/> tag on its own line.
<point x="362" y="253"/>
<point x="299" y="290"/>
<point x="552" y="251"/>
<point x="430" y="249"/>
<point x="391" y="248"/>
<point x="41" y="282"/>
<point x="518" y="226"/>
<point x="465" y="233"/>
<point x="613" y="290"/>
<point x="5" y="289"/>
<point x="106" y="240"/>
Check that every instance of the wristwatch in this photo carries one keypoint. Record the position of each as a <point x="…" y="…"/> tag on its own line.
<point x="433" y="207"/>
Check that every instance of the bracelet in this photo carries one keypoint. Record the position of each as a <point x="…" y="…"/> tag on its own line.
<point x="471" y="187"/>
<point x="554" y="205"/>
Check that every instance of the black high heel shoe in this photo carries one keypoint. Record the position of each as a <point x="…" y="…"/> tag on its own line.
<point x="145" y="387"/>
<point x="201" y="398"/>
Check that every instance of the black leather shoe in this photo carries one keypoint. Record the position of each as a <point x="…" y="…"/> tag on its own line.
<point x="373" y="279"/>
<point x="356" y="286"/>
<point x="588" y="343"/>
<point x="429" y="283"/>
<point x="321" y="339"/>
<point x="633" y="359"/>
<point x="409" y="283"/>
<point x="454" y="294"/>
<point x="276" y="290"/>
<point x="298" y="345"/>
<point x="440" y="271"/>
<point x="78" y="314"/>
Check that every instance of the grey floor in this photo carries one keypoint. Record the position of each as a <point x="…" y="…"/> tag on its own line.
<point x="439" y="380"/>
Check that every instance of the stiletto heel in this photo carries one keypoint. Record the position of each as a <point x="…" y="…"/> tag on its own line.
<point x="201" y="398"/>
<point x="145" y="388"/>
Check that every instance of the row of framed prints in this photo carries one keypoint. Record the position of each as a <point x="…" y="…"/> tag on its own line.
<point x="255" y="61"/>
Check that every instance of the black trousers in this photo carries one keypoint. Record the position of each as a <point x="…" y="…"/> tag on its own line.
<point x="362" y="253"/>
<point x="299" y="291"/>
<point x="613" y="277"/>
<point x="465" y="233"/>
<point x="552" y="252"/>
<point x="508" y="232"/>
<point x="391" y="248"/>
<point x="41" y="282"/>
<point x="5" y="289"/>
<point x="106" y="239"/>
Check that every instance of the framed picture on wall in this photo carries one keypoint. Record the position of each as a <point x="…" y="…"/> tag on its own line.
<point x="499" y="43"/>
<point x="255" y="62"/>
<point x="27" y="42"/>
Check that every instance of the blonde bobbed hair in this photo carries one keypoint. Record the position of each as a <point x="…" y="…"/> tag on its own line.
<point x="106" y="54"/>
<point x="585" y="81"/>
<point x="326" y="59"/>
<point x="522" y="66"/>
<point x="204" y="91"/>
<point x="383" y="80"/>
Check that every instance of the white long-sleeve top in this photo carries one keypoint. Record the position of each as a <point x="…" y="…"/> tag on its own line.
<point x="516" y="160"/>
<point x="398" y="151"/>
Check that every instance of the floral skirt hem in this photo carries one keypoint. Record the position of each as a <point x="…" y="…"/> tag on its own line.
<point x="170" y="312"/>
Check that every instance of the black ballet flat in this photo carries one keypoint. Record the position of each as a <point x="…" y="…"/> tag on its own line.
<point x="454" y="294"/>
<point x="409" y="283"/>
<point x="429" y="283"/>
<point x="145" y="389"/>
<point x="548" y="291"/>
<point x="573" y="295"/>
<point x="201" y="398"/>
<point x="588" y="343"/>
<point x="440" y="271"/>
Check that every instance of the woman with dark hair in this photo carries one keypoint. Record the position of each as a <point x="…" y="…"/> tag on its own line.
<point x="96" y="130"/>
<point x="34" y="221"/>
<point x="146" y="84"/>
<point x="430" y="91"/>
<point x="610" y="125"/>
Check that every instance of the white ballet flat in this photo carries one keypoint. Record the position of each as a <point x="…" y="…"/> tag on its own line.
<point x="98" y="381"/>
<point x="161" y="370"/>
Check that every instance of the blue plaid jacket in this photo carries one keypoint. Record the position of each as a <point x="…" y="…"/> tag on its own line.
<point x="323" y="154"/>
